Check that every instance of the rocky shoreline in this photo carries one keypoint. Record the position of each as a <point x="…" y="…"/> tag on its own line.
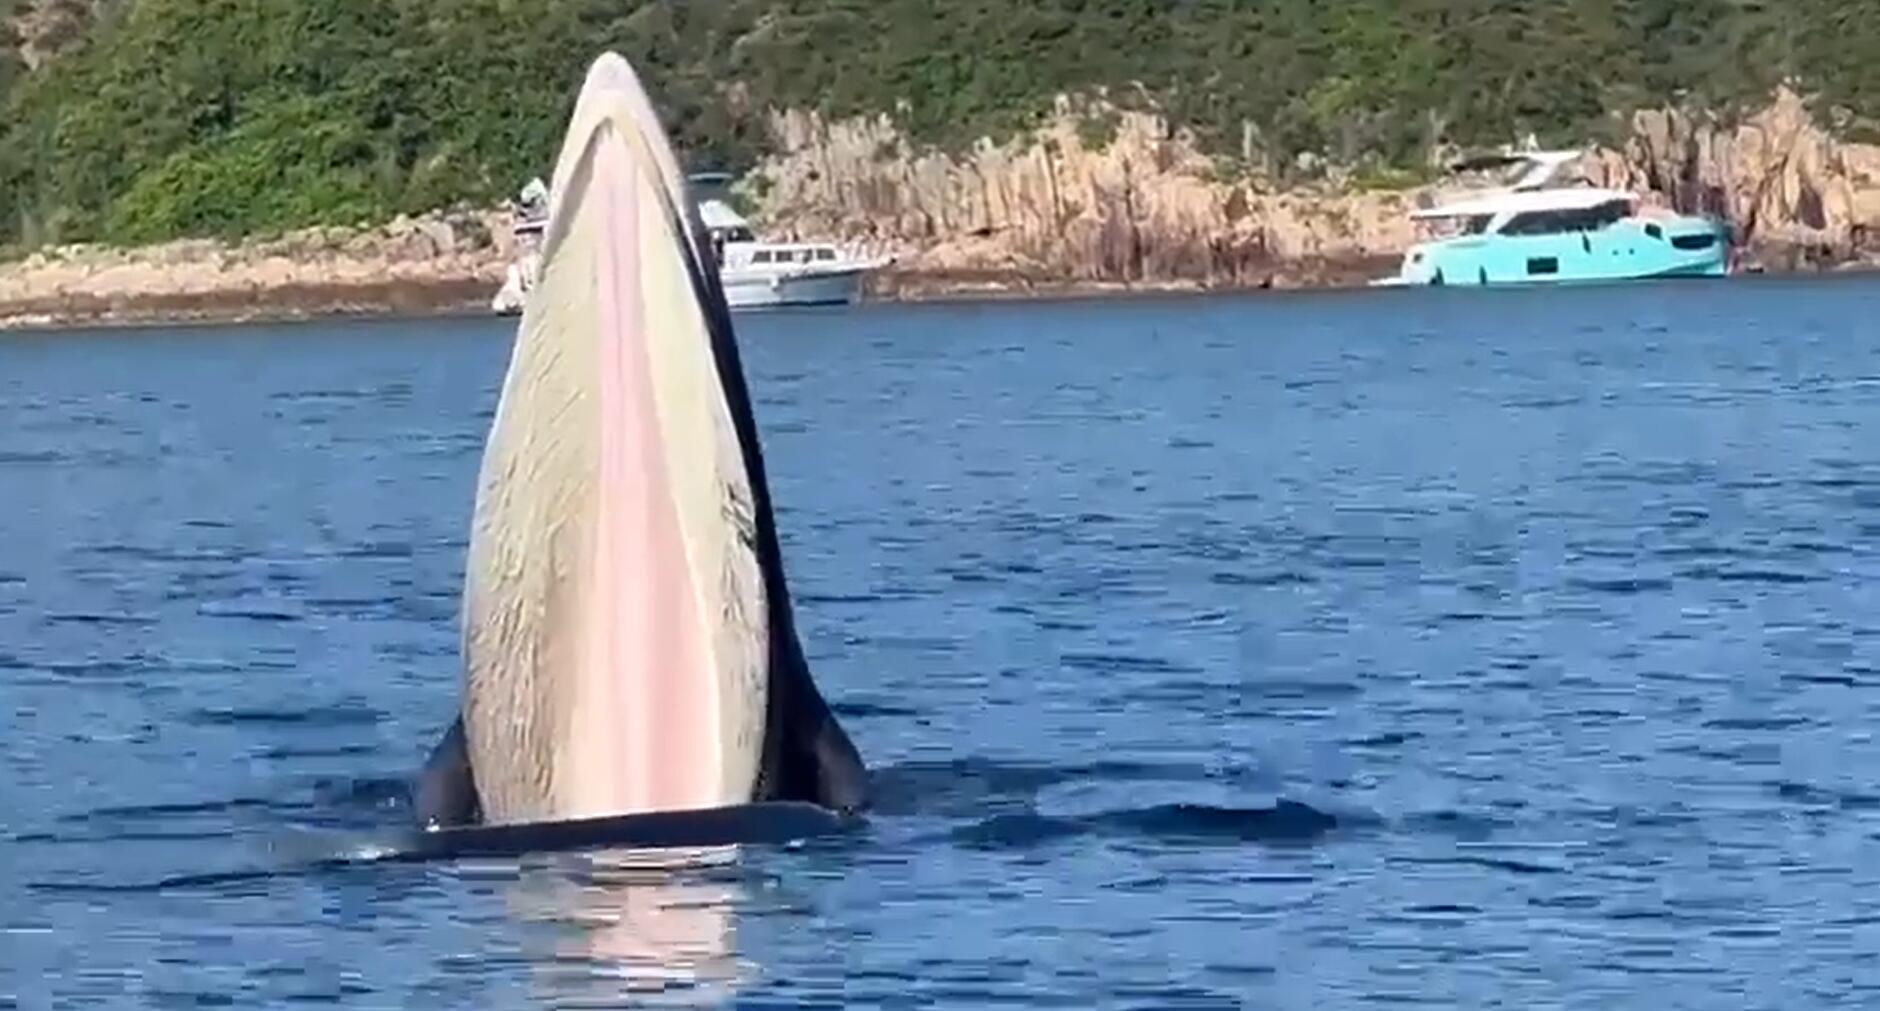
<point x="1048" y="215"/>
<point x="1145" y="204"/>
<point x="467" y="293"/>
<point x="284" y="304"/>
<point x="459" y="296"/>
<point x="444" y="263"/>
<point x="448" y="265"/>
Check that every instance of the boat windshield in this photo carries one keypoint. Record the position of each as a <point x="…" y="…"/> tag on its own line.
<point x="1555" y="222"/>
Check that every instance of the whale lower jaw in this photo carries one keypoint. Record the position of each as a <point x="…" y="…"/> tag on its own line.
<point x="702" y="834"/>
<point x="616" y="635"/>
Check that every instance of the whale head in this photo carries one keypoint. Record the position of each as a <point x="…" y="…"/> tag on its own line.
<point x="623" y="610"/>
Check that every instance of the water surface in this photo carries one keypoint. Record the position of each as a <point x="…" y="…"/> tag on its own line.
<point x="1453" y="648"/>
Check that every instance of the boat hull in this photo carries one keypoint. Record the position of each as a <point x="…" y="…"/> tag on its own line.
<point x="763" y="290"/>
<point x="1634" y="249"/>
<point x="742" y="290"/>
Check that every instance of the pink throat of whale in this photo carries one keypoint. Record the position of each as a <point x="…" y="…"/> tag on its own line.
<point x="647" y="732"/>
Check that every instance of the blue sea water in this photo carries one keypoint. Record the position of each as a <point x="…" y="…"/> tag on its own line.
<point x="1449" y="649"/>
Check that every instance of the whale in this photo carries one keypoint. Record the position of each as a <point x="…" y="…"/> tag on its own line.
<point x="630" y="663"/>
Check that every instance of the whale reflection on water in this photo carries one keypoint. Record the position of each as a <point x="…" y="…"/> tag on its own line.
<point x="639" y="924"/>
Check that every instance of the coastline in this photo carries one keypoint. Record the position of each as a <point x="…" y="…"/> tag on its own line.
<point x="450" y="267"/>
<point x="471" y="296"/>
<point x="384" y="274"/>
<point x="444" y="263"/>
<point x="287" y="303"/>
<point x="467" y="297"/>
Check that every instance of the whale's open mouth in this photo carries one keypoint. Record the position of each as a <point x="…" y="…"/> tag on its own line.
<point x="615" y="615"/>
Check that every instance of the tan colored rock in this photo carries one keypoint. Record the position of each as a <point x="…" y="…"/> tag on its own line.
<point x="444" y="260"/>
<point x="1147" y="207"/>
<point x="1791" y="190"/>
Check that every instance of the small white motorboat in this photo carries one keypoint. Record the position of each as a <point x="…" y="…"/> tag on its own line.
<point x="755" y="274"/>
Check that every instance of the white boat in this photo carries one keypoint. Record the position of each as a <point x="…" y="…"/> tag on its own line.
<point x="755" y="274"/>
<point x="531" y="216"/>
<point x="758" y="274"/>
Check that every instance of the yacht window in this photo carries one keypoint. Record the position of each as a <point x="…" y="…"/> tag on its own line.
<point x="1654" y="231"/>
<point x="1533" y="223"/>
<point x="1700" y="241"/>
<point x="825" y="254"/>
<point x="1588" y="219"/>
<point x="761" y="256"/>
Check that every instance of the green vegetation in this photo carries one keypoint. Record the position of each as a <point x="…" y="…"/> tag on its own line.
<point x="227" y="117"/>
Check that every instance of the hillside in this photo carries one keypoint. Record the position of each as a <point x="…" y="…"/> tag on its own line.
<point x="160" y="119"/>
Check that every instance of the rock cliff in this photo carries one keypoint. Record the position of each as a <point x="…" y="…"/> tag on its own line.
<point x="1145" y="207"/>
<point x="1796" y="196"/>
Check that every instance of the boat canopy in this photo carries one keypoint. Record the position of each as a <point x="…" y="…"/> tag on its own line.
<point x="1527" y="201"/>
<point x="709" y="194"/>
<point x="717" y="214"/>
<point x="725" y="224"/>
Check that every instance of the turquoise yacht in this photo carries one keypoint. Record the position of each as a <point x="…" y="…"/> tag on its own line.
<point x="1543" y="230"/>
